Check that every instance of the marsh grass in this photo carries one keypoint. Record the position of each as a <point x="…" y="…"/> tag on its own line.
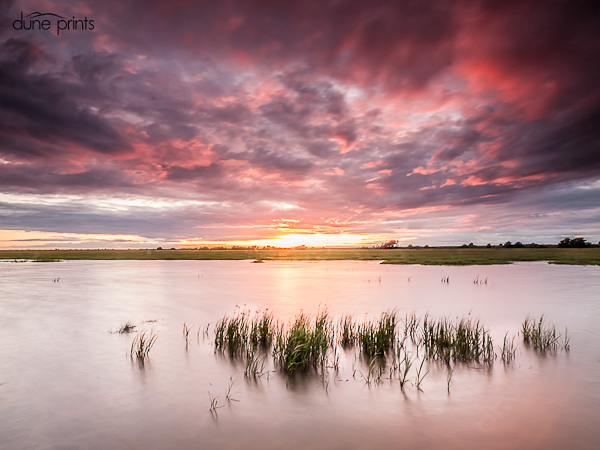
<point x="376" y="367"/>
<point x="312" y="343"/>
<point x="404" y="369"/>
<point x="566" y="339"/>
<point x="255" y="364"/>
<point x="508" y="350"/>
<point x="465" y="340"/>
<point x="242" y="332"/>
<point x="420" y="375"/>
<point x="411" y="326"/>
<point x="127" y="327"/>
<point x="480" y="281"/>
<point x="214" y="403"/>
<point x="228" y="393"/>
<point x="262" y="330"/>
<point x="305" y="344"/>
<point x="142" y="344"/>
<point x="348" y="332"/>
<point x="376" y="337"/>
<point x="542" y="335"/>
<point x="186" y="334"/>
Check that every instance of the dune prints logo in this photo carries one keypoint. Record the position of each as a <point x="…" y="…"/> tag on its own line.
<point x="50" y="21"/>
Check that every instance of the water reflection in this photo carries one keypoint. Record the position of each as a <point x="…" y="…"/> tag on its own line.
<point x="55" y="349"/>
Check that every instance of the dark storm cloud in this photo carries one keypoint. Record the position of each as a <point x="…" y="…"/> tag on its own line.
<point x="38" y="107"/>
<point x="399" y="44"/>
<point x="570" y="146"/>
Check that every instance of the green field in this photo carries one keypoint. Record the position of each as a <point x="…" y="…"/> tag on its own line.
<point x="428" y="256"/>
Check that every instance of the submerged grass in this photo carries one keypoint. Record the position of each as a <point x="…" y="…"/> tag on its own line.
<point x="306" y="344"/>
<point x="376" y="337"/>
<point x="142" y="344"/>
<point x="242" y="332"/>
<point x="465" y="340"/>
<point x="508" y="350"/>
<point x="542" y="335"/>
<point x="255" y="364"/>
<point x="348" y="331"/>
<point x="127" y="327"/>
<point x="312" y="343"/>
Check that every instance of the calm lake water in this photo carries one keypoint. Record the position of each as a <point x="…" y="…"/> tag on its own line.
<point x="67" y="381"/>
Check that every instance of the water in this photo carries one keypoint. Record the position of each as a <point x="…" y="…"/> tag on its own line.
<point x="67" y="382"/>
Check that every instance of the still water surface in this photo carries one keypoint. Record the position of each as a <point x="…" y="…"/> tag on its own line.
<point x="67" y="381"/>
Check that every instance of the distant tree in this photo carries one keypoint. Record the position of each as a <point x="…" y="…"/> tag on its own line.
<point x="471" y="245"/>
<point x="574" y="243"/>
<point x="518" y="244"/>
<point x="489" y="245"/>
<point x="158" y="248"/>
<point x="508" y="244"/>
<point x="389" y="244"/>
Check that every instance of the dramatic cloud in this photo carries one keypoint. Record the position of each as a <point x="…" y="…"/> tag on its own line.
<point x="188" y="121"/>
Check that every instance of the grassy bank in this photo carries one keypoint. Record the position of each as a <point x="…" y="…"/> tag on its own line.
<point x="426" y="256"/>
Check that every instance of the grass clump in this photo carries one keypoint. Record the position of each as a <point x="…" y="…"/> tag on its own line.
<point x="262" y="331"/>
<point x="232" y="334"/>
<point x="127" y="327"/>
<point x="142" y="344"/>
<point x="255" y="364"/>
<point x="348" y="331"/>
<point x="305" y="344"/>
<point x="508" y="350"/>
<point x="462" y="341"/>
<point x="411" y="326"/>
<point x="542" y="335"/>
<point x="377" y="337"/>
<point x="240" y="333"/>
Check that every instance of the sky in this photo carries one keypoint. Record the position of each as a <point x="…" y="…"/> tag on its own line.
<point x="193" y="123"/>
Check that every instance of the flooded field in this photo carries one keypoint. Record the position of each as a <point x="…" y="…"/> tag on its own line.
<point x="68" y="381"/>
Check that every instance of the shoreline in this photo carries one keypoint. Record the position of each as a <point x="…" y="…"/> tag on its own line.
<point x="423" y="256"/>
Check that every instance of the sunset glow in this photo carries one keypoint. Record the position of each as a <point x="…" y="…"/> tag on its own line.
<point x="330" y="123"/>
